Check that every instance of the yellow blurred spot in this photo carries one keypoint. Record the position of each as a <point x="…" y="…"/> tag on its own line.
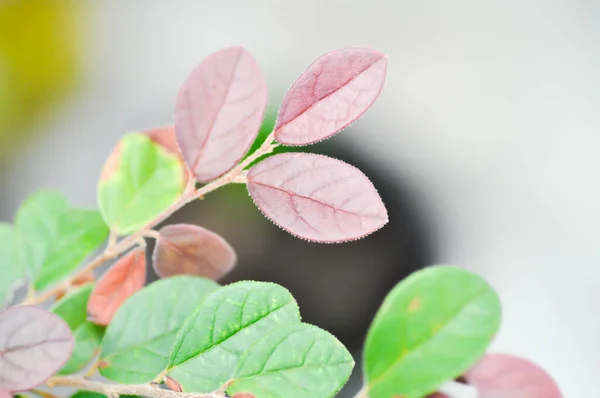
<point x="415" y="304"/>
<point x="39" y="53"/>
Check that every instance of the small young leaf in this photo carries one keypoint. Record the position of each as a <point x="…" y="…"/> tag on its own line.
<point x="219" y="111"/>
<point x="10" y="268"/>
<point x="227" y="323"/>
<point x="294" y="361"/>
<point x="431" y="328"/>
<point x="126" y="277"/>
<point x="332" y="93"/>
<point x="34" y="344"/>
<point x="72" y="309"/>
<point x="138" y="341"/>
<point x="165" y="137"/>
<point x="139" y="181"/>
<point x="316" y="197"/>
<point x="54" y="238"/>
<point x="192" y="250"/>
<point x="507" y="376"/>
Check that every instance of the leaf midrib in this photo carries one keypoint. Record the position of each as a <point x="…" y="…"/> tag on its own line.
<point x="223" y="341"/>
<point x="294" y="194"/>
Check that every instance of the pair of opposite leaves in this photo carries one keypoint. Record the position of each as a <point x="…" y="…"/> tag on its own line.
<point x="218" y="113"/>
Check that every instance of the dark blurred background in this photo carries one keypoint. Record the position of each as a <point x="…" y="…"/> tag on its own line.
<point x="484" y="143"/>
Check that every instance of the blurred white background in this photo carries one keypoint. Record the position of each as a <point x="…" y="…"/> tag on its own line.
<point x="491" y="111"/>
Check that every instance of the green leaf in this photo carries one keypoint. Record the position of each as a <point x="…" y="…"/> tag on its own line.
<point x="10" y="268"/>
<point x="138" y="340"/>
<point x="54" y="238"/>
<point x="139" y="181"/>
<point x="294" y="361"/>
<point x="230" y="320"/>
<point x="91" y="394"/>
<point x="430" y="329"/>
<point x="72" y="308"/>
<point x="87" y="394"/>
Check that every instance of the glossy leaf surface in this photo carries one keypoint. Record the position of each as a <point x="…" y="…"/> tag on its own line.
<point x="507" y="376"/>
<point x="139" y="339"/>
<point x="213" y="339"/>
<point x="72" y="309"/>
<point x="294" y="361"/>
<point x="218" y="112"/>
<point x="431" y="328"/>
<point x="332" y="93"/>
<point x="11" y="269"/>
<point x="139" y="181"/>
<point x="192" y="250"/>
<point x="124" y="278"/>
<point x="34" y="344"/>
<point x="316" y="197"/>
<point x="54" y="238"/>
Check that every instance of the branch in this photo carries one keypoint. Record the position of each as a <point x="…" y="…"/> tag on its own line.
<point x="112" y="390"/>
<point x="114" y="250"/>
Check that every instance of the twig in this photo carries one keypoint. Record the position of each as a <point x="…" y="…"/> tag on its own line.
<point x="114" y="390"/>
<point x="43" y="394"/>
<point x="109" y="253"/>
<point x="115" y="249"/>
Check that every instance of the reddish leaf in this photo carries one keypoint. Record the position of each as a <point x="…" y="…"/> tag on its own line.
<point x="192" y="250"/>
<point x="332" y="93"/>
<point x="34" y="344"/>
<point x="165" y="136"/>
<point x="316" y="197"/>
<point x="507" y="376"/>
<point x="219" y="111"/>
<point x="172" y="384"/>
<point x="126" y="277"/>
<point x="5" y="394"/>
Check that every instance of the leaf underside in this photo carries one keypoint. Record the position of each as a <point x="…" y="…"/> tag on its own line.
<point x="34" y="344"/>
<point x="192" y="250"/>
<point x="331" y="94"/>
<point x="316" y="198"/>
<point x="218" y="112"/>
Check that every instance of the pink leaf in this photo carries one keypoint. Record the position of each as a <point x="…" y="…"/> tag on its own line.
<point x="316" y="197"/>
<point x="126" y="277"/>
<point x="507" y="376"/>
<point x="219" y="111"/>
<point x="5" y="394"/>
<point x="332" y="93"/>
<point x="192" y="250"/>
<point x="34" y="344"/>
